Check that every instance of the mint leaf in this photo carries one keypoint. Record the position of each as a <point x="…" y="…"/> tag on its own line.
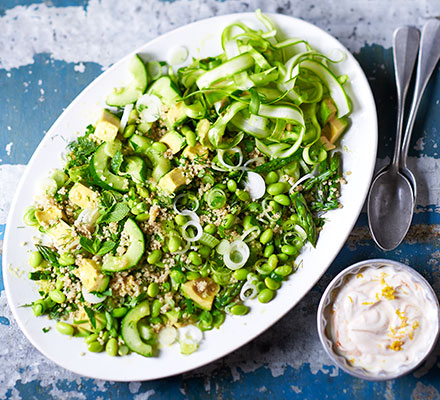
<point x="106" y="248"/>
<point x="118" y="212"/>
<point x="91" y="316"/>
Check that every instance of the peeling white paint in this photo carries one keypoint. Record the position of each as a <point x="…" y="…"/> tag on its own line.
<point x="144" y="396"/>
<point x="79" y="67"/>
<point x="425" y="392"/>
<point x="8" y="148"/>
<point x="296" y="389"/>
<point x="62" y="32"/>
<point x="134" y="387"/>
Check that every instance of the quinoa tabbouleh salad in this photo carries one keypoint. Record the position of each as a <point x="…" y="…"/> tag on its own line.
<point x="192" y="195"/>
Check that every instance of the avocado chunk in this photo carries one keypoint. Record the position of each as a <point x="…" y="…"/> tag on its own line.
<point x="172" y="180"/>
<point x="49" y="216"/>
<point x="202" y="291"/>
<point x="107" y="126"/>
<point x="335" y="128"/>
<point x="327" y="111"/>
<point x="175" y="115"/>
<point x="64" y="235"/>
<point x="195" y="152"/>
<point x="134" y="252"/>
<point x="82" y="196"/>
<point x="326" y="143"/>
<point x="174" y="141"/>
<point x="202" y="130"/>
<point x="89" y="273"/>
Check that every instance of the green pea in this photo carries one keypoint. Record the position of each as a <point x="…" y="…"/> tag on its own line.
<point x="271" y="177"/>
<point x="272" y="284"/>
<point x="119" y="312"/>
<point x="66" y="259"/>
<point x="35" y="259"/>
<point x="288" y="249"/>
<point x="232" y="185"/>
<point x="272" y="261"/>
<point x="241" y="274"/>
<point x="192" y="275"/>
<point x="174" y="244"/>
<point x="142" y="217"/>
<point x="59" y="283"/>
<point x="283" y="270"/>
<point x="154" y="257"/>
<point x="266" y="236"/>
<point x="228" y="221"/>
<point x="282" y="257"/>
<point x="180" y="219"/>
<point x="243" y="195"/>
<point x="195" y="258"/>
<point x="277" y="188"/>
<point x="129" y="131"/>
<point x="268" y="250"/>
<point x="29" y="217"/>
<point x="239" y="309"/>
<point x="205" y="251"/>
<point x="57" y="296"/>
<point x="159" y="147"/>
<point x="95" y="347"/>
<point x="210" y="228"/>
<point x="155" y="308"/>
<point x="282" y="199"/>
<point x="153" y="289"/>
<point x="65" y="328"/>
<point x="123" y="350"/>
<point x="266" y="295"/>
<point x="178" y="276"/>
<point x="91" y="338"/>
<point x="38" y="307"/>
<point x="274" y="206"/>
<point x="111" y="347"/>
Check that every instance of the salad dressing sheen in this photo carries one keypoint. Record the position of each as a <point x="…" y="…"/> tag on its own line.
<point x="382" y="319"/>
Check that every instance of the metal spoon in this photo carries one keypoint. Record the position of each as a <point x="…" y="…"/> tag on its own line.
<point x="391" y="197"/>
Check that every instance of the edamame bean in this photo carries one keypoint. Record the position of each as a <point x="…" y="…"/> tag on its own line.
<point x="174" y="244"/>
<point x="282" y="199"/>
<point x="195" y="258"/>
<point x="142" y="217"/>
<point x="119" y="312"/>
<point x="283" y="270"/>
<point x="268" y="250"/>
<point x="123" y="350"/>
<point x="282" y="257"/>
<point x="272" y="284"/>
<point x="154" y="257"/>
<point x="243" y="195"/>
<point x="266" y="295"/>
<point x="95" y="347"/>
<point x="159" y="147"/>
<point x="272" y="261"/>
<point x="57" y="296"/>
<point x="133" y="117"/>
<point x="274" y="206"/>
<point x="38" y="308"/>
<point x="111" y="347"/>
<point x="35" y="259"/>
<point x="178" y="276"/>
<point x="210" y="228"/>
<point x="59" y="283"/>
<point x="288" y="249"/>
<point x="260" y="286"/>
<point x="105" y="336"/>
<point x="153" y="289"/>
<point x="205" y="251"/>
<point x="277" y="188"/>
<point x="129" y="131"/>
<point x="192" y="275"/>
<point x="266" y="236"/>
<point x="91" y="338"/>
<point x="228" y="221"/>
<point x="143" y="192"/>
<point x="145" y="331"/>
<point x="155" y="308"/>
<point x="180" y="219"/>
<point x="239" y="309"/>
<point x="271" y="177"/>
<point x="241" y="274"/>
<point x="232" y="185"/>
<point x="65" y="328"/>
<point x="190" y="136"/>
<point x="66" y="259"/>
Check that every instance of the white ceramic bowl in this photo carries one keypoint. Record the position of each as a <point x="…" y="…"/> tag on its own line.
<point x="327" y="301"/>
<point x="202" y="39"/>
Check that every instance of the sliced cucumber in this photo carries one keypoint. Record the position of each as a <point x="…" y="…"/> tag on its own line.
<point x="130" y="332"/>
<point x="136" y="168"/>
<point x="166" y="90"/>
<point x="99" y="170"/>
<point x="140" y="144"/>
<point x="161" y="165"/>
<point x="134" y="251"/>
<point x="130" y="93"/>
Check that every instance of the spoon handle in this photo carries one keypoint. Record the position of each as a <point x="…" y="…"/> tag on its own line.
<point x="429" y="55"/>
<point x="405" y="48"/>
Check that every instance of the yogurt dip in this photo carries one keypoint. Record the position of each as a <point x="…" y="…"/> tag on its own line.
<point x="382" y="319"/>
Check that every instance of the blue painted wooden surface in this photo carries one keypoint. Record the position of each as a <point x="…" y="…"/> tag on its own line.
<point x="287" y="360"/>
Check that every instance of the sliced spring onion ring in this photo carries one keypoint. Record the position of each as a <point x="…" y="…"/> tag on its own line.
<point x="223" y="247"/>
<point x="191" y="214"/>
<point x="299" y="181"/>
<point x="184" y="250"/>
<point x="248" y="291"/>
<point x="234" y="150"/>
<point x="245" y="234"/>
<point x="125" y="115"/>
<point x="149" y="106"/>
<point x="167" y="336"/>
<point x="237" y="255"/>
<point x="195" y="225"/>
<point x="190" y="197"/>
<point x="255" y="185"/>
<point x="259" y="160"/>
